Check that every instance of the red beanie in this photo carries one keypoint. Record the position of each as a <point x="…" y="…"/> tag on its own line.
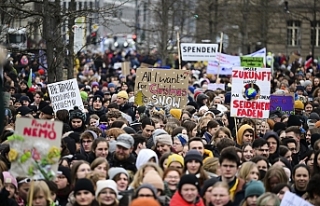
<point x="145" y="201"/>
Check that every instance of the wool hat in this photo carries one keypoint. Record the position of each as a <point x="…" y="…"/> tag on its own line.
<point x="8" y="178"/>
<point x="293" y="120"/>
<point x="83" y="184"/>
<point x="315" y="116"/>
<point x="144" y="201"/>
<point x="94" y="84"/>
<point x="84" y="96"/>
<point x="176" y="113"/>
<point x="23" y="110"/>
<point x="125" y="140"/>
<point x="254" y="188"/>
<point x="189" y="179"/>
<point x="299" y="88"/>
<point x="123" y="94"/>
<point x="153" y="178"/>
<point x="76" y="113"/>
<point x="24" y="98"/>
<point x="307" y="83"/>
<point x="47" y="110"/>
<point x="66" y="172"/>
<point x="279" y="126"/>
<point x="164" y="139"/>
<point x="193" y="155"/>
<point x="298" y="104"/>
<point x="208" y="183"/>
<point x="97" y="98"/>
<point x="148" y="186"/>
<point x="182" y="138"/>
<point x="175" y="158"/>
<point x="113" y="171"/>
<point x="111" y="85"/>
<point x="102" y="184"/>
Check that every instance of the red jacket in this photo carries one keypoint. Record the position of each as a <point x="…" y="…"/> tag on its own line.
<point x="177" y="200"/>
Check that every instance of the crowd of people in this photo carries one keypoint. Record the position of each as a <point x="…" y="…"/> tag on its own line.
<point x="116" y="153"/>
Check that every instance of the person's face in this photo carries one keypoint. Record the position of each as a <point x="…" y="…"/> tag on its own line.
<point x="10" y="188"/>
<point x="309" y="87"/>
<point x="212" y="131"/>
<point x="194" y="132"/>
<point x="122" y="153"/>
<point x="308" y="136"/>
<point x="23" y="190"/>
<point x="83" y="170"/>
<point x="262" y="165"/>
<point x="189" y="192"/>
<point x="273" y="181"/>
<point x="308" y="108"/>
<point x="17" y="105"/>
<point x="184" y="131"/>
<point x="222" y="135"/>
<point x="163" y="148"/>
<point x="25" y="103"/>
<point x="39" y="199"/>
<point x="272" y="142"/>
<point x="37" y="99"/>
<point x="262" y="151"/>
<point x="301" y="178"/>
<point x="122" y="183"/>
<point x="193" y="167"/>
<point x="185" y="116"/>
<point x="316" y="82"/>
<point x="310" y="161"/>
<point x="145" y="193"/>
<point x="247" y="153"/>
<point x="247" y="137"/>
<point x="292" y="147"/>
<point x="76" y="123"/>
<point x="207" y="195"/>
<point x="282" y="192"/>
<point x="252" y="200"/>
<point x="61" y="181"/>
<point x="254" y="174"/>
<point x="172" y="178"/>
<point x="93" y="122"/>
<point x="97" y="104"/>
<point x="101" y="170"/>
<point x="23" y="86"/>
<point x="225" y="121"/>
<point x="177" y="146"/>
<point x="101" y="150"/>
<point x="288" y="156"/>
<point x="216" y="101"/>
<point x="228" y="169"/>
<point x="222" y="97"/>
<point x="219" y="196"/>
<point x="87" y="143"/>
<point x="147" y="131"/>
<point x="84" y="197"/>
<point x="120" y="100"/>
<point x="197" y="145"/>
<point x="107" y="197"/>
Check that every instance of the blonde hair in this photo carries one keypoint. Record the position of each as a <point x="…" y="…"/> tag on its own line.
<point x="40" y="186"/>
<point x="245" y="170"/>
<point x="138" y="177"/>
<point x="266" y="197"/>
<point x="221" y="184"/>
<point x="94" y="178"/>
<point x="94" y="116"/>
<point x="115" y="132"/>
<point x="98" y="161"/>
<point x="211" y="164"/>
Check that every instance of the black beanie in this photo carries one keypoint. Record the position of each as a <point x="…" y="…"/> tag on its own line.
<point x="83" y="184"/>
<point x="66" y="172"/>
<point x="193" y="155"/>
<point x="189" y="179"/>
<point x="208" y="183"/>
<point x="278" y="126"/>
<point x="293" y="120"/>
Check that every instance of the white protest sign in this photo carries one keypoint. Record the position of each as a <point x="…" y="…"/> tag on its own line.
<point x="290" y="199"/>
<point x="215" y="86"/>
<point x="65" y="95"/>
<point x="117" y="65"/>
<point x="228" y="61"/>
<point x="198" y="52"/>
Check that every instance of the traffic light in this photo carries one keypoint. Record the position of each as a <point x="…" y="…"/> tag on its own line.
<point x="94" y="38"/>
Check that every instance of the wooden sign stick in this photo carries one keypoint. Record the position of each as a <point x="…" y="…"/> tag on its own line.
<point x="220" y="50"/>
<point x="179" y="52"/>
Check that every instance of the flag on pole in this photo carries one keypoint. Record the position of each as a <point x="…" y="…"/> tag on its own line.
<point x="29" y="83"/>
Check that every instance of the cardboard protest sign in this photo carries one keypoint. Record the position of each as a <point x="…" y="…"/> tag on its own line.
<point x="198" y="52"/>
<point x="251" y="61"/>
<point x="65" y="95"/>
<point x="250" y="92"/>
<point x="35" y="148"/>
<point x="282" y="103"/>
<point x="215" y="86"/>
<point x="125" y="69"/>
<point x="161" y="87"/>
<point x="291" y="199"/>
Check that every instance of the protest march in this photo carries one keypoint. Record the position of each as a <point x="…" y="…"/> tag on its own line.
<point x="211" y="129"/>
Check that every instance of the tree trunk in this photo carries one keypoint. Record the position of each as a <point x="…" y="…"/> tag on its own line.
<point x="71" y="54"/>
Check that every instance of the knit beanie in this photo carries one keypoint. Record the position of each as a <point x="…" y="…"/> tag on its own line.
<point x="123" y="94"/>
<point x="208" y="183"/>
<point x="193" y="155"/>
<point x="293" y="120"/>
<point x="175" y="158"/>
<point x="76" y="113"/>
<point x="83" y="184"/>
<point x="153" y="178"/>
<point x="113" y="171"/>
<point x="103" y="184"/>
<point x="176" y="113"/>
<point x="254" y="188"/>
<point x="189" y="179"/>
<point x="148" y="186"/>
<point x="66" y="172"/>
<point x="144" y="201"/>
<point x="9" y="179"/>
<point x="84" y="96"/>
<point x="163" y="139"/>
<point x="298" y="105"/>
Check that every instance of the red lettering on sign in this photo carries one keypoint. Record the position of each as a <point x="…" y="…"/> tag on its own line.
<point x="252" y="75"/>
<point x="249" y="113"/>
<point x="240" y="104"/>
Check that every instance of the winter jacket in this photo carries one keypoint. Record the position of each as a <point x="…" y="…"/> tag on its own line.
<point x="177" y="200"/>
<point x="5" y="200"/>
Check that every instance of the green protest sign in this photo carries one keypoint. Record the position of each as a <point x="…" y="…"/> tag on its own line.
<point x="251" y="61"/>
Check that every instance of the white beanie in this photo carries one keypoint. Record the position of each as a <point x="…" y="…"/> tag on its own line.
<point x="103" y="184"/>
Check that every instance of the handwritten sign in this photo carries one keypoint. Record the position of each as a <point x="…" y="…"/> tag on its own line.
<point x="65" y="95"/>
<point x="250" y="92"/>
<point x="282" y="103"/>
<point x="161" y="87"/>
<point x="251" y="61"/>
<point x="290" y="199"/>
<point x="35" y="148"/>
<point x="198" y="52"/>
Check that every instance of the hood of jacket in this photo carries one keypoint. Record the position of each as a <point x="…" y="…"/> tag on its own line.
<point x="144" y="156"/>
<point x="178" y="200"/>
<point x="240" y="133"/>
<point x="273" y="134"/>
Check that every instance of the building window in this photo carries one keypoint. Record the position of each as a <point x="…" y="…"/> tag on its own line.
<point x="293" y="33"/>
<point x="315" y="33"/>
